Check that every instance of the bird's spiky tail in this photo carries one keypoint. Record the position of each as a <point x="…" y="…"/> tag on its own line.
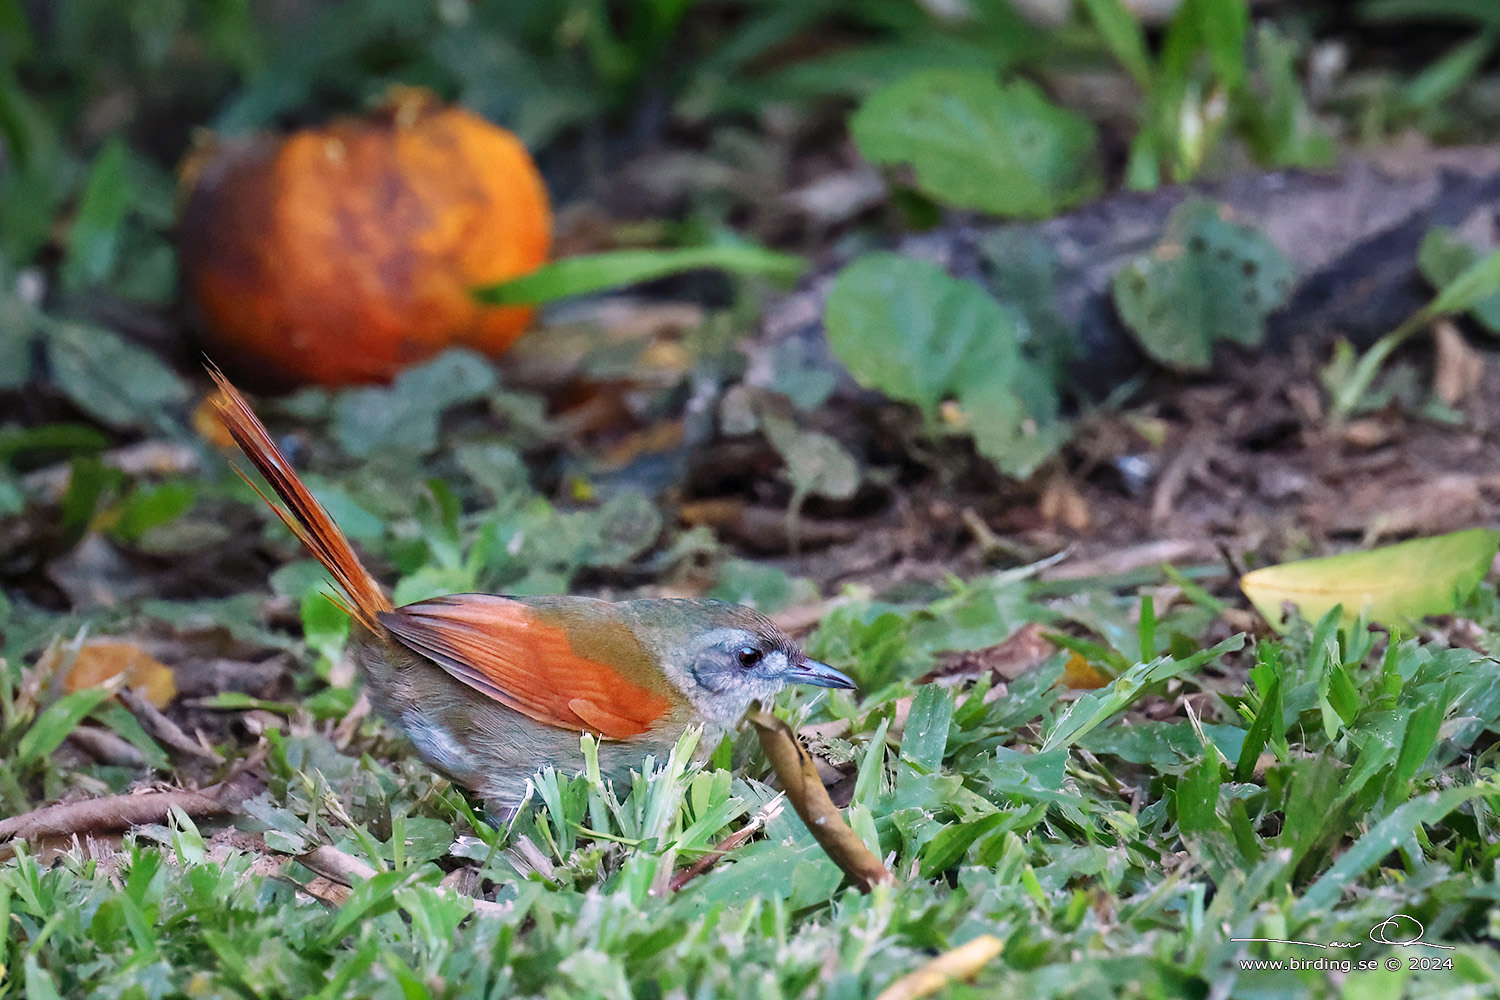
<point x="302" y="514"/>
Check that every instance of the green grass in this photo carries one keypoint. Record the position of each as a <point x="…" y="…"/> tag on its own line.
<point x="1122" y="842"/>
<point x="1116" y="842"/>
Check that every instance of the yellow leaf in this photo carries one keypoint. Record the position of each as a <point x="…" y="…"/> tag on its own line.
<point x="101" y="660"/>
<point x="1081" y="675"/>
<point x="1392" y="584"/>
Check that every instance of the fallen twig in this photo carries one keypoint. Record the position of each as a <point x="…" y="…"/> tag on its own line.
<point x="799" y="777"/>
<point x="962" y="962"/>
<point x="119" y="812"/>
<point x="345" y="869"/>
<point x="729" y="843"/>
<point x="333" y="863"/>
<point x="164" y="728"/>
<point x="107" y="746"/>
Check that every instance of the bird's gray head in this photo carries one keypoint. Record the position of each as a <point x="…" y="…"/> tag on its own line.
<point x="723" y="656"/>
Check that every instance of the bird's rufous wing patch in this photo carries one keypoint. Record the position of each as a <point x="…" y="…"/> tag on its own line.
<point x="502" y="648"/>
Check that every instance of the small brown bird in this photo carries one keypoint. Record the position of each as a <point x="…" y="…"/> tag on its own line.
<point x="491" y="689"/>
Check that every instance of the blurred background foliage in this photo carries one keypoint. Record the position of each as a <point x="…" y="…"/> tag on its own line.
<point x="1008" y="109"/>
<point x="459" y="477"/>
<point x="99" y="101"/>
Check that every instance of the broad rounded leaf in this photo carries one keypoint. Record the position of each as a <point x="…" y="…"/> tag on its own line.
<point x="907" y="328"/>
<point x="976" y="144"/>
<point x="816" y="463"/>
<point x="109" y="378"/>
<point x="1391" y="584"/>
<point x="405" y="415"/>
<point x="1442" y="258"/>
<point x="1208" y="280"/>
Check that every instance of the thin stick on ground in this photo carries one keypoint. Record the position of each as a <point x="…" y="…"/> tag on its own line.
<point x="799" y="777"/>
<point x="730" y="843"/>
<point x="164" y="728"/>
<point x="963" y="962"/>
<point x="120" y="812"/>
<point x="347" y="870"/>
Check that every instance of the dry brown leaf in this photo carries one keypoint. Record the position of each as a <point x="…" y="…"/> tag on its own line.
<point x="963" y="962"/>
<point x="654" y="439"/>
<point x="805" y="791"/>
<point x="1022" y="651"/>
<point x="1061" y="503"/>
<point x="1459" y="368"/>
<point x="1081" y="675"/>
<point x="1368" y="433"/>
<point x="99" y="661"/>
<point x="206" y="422"/>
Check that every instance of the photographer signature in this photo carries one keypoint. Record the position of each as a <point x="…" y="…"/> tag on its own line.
<point x="1400" y="930"/>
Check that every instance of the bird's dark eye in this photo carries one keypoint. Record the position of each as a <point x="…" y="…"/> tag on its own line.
<point x="749" y="656"/>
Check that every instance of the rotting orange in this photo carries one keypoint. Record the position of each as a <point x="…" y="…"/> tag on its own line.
<point x="342" y="254"/>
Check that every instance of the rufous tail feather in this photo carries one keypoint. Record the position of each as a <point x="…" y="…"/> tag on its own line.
<point x="302" y="514"/>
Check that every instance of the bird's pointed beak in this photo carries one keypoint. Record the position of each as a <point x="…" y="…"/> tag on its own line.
<point x="818" y="674"/>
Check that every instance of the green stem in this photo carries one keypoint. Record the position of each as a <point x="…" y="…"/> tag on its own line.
<point x="1347" y="396"/>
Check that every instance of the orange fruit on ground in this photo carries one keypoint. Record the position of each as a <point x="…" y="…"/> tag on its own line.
<point x="345" y="253"/>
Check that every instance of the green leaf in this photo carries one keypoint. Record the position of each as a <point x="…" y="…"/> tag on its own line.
<point x="374" y="896"/>
<point x="976" y="144"/>
<point x="1349" y="381"/>
<point x="19" y="325"/>
<point x="40" y="984"/>
<point x="1443" y="78"/>
<point x="1097" y="707"/>
<point x="1421" y="735"/>
<point x="94" y="237"/>
<point x="1380" y="840"/>
<point x="39" y="173"/>
<point x="12" y="500"/>
<point x="495" y="468"/>
<point x="950" y="845"/>
<point x="1392" y="584"/>
<point x="1442" y="257"/>
<point x="1276" y="121"/>
<point x="816" y="464"/>
<point x="117" y="717"/>
<point x="150" y="507"/>
<point x="765" y="588"/>
<point x="905" y="327"/>
<point x="115" y="381"/>
<point x="1476" y="283"/>
<point x="1122" y="34"/>
<point x="325" y="626"/>
<point x="352" y="517"/>
<point x="627" y="525"/>
<point x="406" y="414"/>
<point x="1223" y="26"/>
<point x="237" y="701"/>
<point x="1006" y="432"/>
<point x="55" y="722"/>
<point x="926" y="734"/>
<point x="62" y="438"/>
<point x="616" y="268"/>
<point x="1208" y="280"/>
<point x="1267" y="722"/>
<point x="1198" y="795"/>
